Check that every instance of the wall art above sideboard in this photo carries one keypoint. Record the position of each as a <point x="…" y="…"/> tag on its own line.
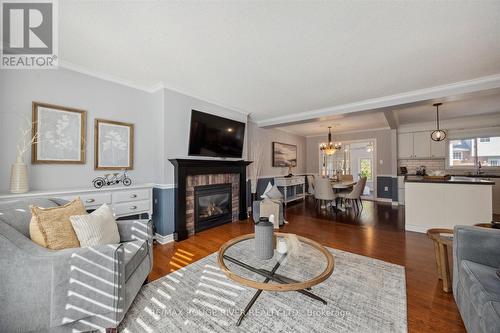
<point x="61" y="134"/>
<point x="114" y="145"/>
<point x="284" y="155"/>
<point x="58" y="136"/>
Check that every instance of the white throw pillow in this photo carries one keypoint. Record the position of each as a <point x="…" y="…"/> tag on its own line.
<point x="274" y="193"/>
<point x="268" y="188"/>
<point x="96" y="228"/>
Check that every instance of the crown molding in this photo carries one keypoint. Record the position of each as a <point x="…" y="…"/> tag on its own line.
<point x="457" y="88"/>
<point x="107" y="77"/>
<point x="149" y="89"/>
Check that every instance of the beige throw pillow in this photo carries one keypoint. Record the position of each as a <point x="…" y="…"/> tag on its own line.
<point x="96" y="228"/>
<point x="51" y="227"/>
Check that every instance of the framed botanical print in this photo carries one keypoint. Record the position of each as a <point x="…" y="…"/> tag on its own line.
<point x="114" y="145"/>
<point x="284" y="155"/>
<point x="60" y="134"/>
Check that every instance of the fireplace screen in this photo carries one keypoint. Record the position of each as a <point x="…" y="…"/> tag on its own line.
<point x="212" y="205"/>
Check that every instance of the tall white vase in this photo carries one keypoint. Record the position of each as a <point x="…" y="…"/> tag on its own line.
<point x="19" y="176"/>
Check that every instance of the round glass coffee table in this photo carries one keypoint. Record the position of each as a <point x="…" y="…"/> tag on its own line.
<point x="303" y="267"/>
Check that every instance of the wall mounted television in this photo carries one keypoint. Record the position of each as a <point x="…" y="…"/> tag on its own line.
<point x="214" y="136"/>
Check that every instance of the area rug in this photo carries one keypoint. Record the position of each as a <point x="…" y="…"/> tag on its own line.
<point x="363" y="295"/>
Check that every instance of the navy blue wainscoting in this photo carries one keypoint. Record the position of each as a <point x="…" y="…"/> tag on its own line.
<point x="163" y="210"/>
<point x="395" y="189"/>
<point x="385" y="187"/>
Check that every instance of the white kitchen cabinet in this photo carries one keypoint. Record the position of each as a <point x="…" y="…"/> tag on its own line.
<point x="419" y="145"/>
<point x="422" y="144"/>
<point x="438" y="149"/>
<point x="405" y="145"/>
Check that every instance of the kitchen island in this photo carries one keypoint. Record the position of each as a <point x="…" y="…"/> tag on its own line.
<point x="444" y="203"/>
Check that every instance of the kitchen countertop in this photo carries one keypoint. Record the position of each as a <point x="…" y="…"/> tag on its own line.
<point x="485" y="175"/>
<point x="467" y="180"/>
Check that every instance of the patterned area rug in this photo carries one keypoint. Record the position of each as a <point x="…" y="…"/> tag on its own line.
<point x="363" y="295"/>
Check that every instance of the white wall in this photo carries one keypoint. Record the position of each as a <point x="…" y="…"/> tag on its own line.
<point x="266" y="137"/>
<point x="386" y="148"/>
<point x="101" y="99"/>
<point x="177" y="120"/>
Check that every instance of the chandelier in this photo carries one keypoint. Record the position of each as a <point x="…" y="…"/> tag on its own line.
<point x="329" y="148"/>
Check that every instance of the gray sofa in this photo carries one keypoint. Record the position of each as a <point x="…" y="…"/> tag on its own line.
<point x="476" y="285"/>
<point x="78" y="289"/>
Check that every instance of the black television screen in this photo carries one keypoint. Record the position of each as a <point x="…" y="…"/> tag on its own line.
<point x="215" y="136"/>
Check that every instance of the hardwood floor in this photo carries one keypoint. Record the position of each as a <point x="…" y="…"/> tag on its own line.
<point x="377" y="232"/>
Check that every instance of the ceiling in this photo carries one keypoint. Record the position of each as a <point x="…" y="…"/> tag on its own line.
<point x="340" y="123"/>
<point x="273" y="59"/>
<point x="454" y="107"/>
<point x="470" y="106"/>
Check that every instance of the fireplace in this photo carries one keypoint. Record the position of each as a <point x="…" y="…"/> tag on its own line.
<point x="190" y="173"/>
<point x="212" y="206"/>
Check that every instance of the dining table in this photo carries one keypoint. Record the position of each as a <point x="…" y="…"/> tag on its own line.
<point x="339" y="186"/>
<point x="343" y="184"/>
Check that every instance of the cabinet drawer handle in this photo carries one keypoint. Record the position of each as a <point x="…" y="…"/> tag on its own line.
<point x="133" y="195"/>
<point x="133" y="208"/>
<point x="89" y="200"/>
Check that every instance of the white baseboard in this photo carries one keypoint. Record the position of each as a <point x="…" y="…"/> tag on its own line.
<point x="164" y="239"/>
<point x="417" y="228"/>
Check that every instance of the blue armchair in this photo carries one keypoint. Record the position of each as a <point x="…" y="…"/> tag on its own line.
<point x="476" y="285"/>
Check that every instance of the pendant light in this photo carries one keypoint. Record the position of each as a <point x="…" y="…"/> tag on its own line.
<point x="329" y="148"/>
<point x="438" y="134"/>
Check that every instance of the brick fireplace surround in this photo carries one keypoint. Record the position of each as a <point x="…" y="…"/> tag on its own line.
<point x="190" y="172"/>
<point x="212" y="179"/>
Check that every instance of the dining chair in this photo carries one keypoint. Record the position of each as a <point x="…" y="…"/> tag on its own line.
<point x="346" y="178"/>
<point x="310" y="184"/>
<point x="323" y="190"/>
<point x="354" y="196"/>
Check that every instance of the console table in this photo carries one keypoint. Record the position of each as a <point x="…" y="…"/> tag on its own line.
<point x="293" y="188"/>
<point x="125" y="201"/>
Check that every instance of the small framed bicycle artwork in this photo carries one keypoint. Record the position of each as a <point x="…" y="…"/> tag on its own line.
<point x="112" y="179"/>
<point x="114" y="145"/>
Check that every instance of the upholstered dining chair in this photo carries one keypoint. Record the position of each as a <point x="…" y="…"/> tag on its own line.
<point x="323" y="190"/>
<point x="355" y="195"/>
<point x="310" y="184"/>
<point x="346" y="178"/>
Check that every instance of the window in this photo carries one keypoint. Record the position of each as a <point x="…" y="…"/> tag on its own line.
<point x="365" y="168"/>
<point x="462" y="153"/>
<point x="468" y="152"/>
